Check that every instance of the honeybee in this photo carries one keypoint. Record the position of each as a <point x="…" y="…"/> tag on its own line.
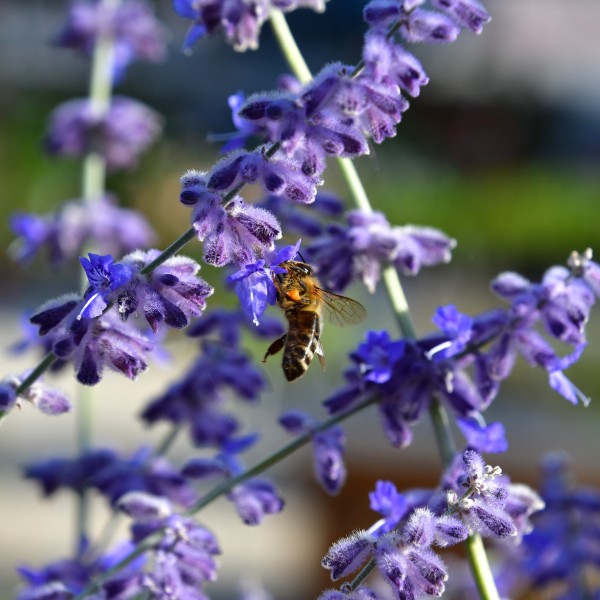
<point x="305" y="305"/>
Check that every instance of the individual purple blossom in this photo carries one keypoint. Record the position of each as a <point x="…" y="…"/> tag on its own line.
<point x="377" y="356"/>
<point x="78" y="224"/>
<point x="368" y="243"/>
<point x="254" y="282"/>
<point x="458" y="329"/>
<point x="104" y="277"/>
<point x="237" y="232"/>
<point x="171" y="294"/>
<point x="197" y="398"/>
<point x="348" y="554"/>
<point x="253" y="498"/>
<point x="328" y="448"/>
<point x="388" y="62"/>
<point x="278" y="176"/>
<point x="481" y="437"/>
<point x="360" y="593"/>
<point x="429" y="27"/>
<point x="480" y="498"/>
<point x="120" y="136"/>
<point x="132" y="27"/>
<point x="389" y="503"/>
<point x="92" y="344"/>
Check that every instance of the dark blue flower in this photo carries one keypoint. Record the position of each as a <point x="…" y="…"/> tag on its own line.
<point x="377" y="356"/>
<point x="481" y="437"/>
<point x="104" y="277"/>
<point x="390" y="504"/>
<point x="456" y="326"/>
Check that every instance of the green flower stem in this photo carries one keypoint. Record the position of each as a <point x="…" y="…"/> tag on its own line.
<point x="170" y="251"/>
<point x="276" y="457"/>
<point x="476" y="552"/>
<point x="45" y="363"/>
<point x="93" y="187"/>
<point x="482" y="574"/>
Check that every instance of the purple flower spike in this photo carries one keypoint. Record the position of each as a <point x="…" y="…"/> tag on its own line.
<point x="105" y="277"/>
<point x="121" y="135"/>
<point x="381" y="13"/>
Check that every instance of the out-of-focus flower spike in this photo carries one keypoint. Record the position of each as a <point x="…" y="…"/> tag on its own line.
<point x="144" y="507"/>
<point x="382" y="13"/>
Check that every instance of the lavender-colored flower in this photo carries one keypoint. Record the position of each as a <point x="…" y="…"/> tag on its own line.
<point x="278" y="176"/>
<point x="429" y="27"/>
<point x="254" y="499"/>
<point x="328" y="448"/>
<point x="135" y="31"/>
<point x="172" y="293"/>
<point x="368" y="243"/>
<point x="78" y="224"/>
<point x="120" y="136"/>
<point x="481" y="437"/>
<point x="237" y="232"/>
<point x="196" y="398"/>
<point x="482" y="500"/>
<point x="458" y="329"/>
<point x="388" y="62"/>
<point x="389" y="503"/>
<point x="348" y="554"/>
<point x="254" y="282"/>
<point x="105" y="277"/>
<point x="92" y="344"/>
<point x="240" y="20"/>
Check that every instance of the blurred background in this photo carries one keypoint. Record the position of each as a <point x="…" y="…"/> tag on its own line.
<point x="501" y="151"/>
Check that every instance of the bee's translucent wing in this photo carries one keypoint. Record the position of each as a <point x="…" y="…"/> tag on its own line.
<point x="341" y="310"/>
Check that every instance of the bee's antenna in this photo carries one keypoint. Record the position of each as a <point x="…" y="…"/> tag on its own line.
<point x="302" y="257"/>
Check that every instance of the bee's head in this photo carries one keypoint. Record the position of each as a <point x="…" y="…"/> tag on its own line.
<point x="301" y="269"/>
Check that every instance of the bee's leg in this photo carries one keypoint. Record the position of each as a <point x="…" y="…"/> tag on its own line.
<point x="275" y="347"/>
<point x="321" y="356"/>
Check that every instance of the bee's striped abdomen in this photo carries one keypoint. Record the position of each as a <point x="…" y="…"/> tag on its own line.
<point x="301" y="343"/>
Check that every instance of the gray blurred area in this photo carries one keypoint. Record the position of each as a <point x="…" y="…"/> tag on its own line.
<point x="501" y="151"/>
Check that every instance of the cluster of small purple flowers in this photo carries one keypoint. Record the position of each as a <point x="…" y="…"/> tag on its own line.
<point x="405" y="375"/>
<point x="473" y="498"/>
